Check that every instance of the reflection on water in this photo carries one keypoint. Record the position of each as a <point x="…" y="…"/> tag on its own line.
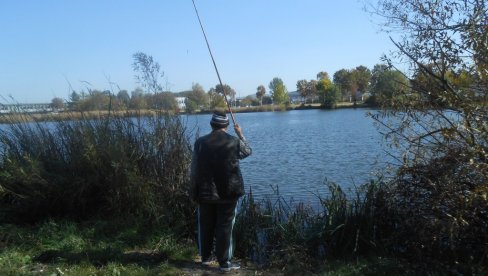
<point x="296" y="151"/>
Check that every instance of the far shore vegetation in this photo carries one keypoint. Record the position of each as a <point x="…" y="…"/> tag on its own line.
<point x="101" y="190"/>
<point x="13" y="117"/>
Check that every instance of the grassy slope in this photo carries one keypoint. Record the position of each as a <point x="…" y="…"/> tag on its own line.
<point x="97" y="247"/>
<point x="132" y="248"/>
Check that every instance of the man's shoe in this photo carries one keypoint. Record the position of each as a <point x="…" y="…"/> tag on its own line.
<point x="206" y="262"/>
<point x="228" y="266"/>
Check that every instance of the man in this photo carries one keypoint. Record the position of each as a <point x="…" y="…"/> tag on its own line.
<point x="216" y="185"/>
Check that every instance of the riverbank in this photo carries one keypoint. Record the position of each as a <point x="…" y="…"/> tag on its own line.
<point x="77" y="115"/>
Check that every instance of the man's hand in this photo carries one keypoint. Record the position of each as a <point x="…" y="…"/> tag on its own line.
<point x="238" y="131"/>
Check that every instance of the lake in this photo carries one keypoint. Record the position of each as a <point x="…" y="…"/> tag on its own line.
<point x="296" y="151"/>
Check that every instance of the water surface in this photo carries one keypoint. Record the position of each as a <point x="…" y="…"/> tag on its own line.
<point x="296" y="151"/>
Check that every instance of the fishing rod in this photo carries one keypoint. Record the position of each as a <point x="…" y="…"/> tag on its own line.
<point x="215" y="65"/>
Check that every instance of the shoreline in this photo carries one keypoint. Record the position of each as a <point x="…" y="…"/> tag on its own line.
<point x="79" y="115"/>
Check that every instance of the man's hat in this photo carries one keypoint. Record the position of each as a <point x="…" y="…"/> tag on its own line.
<point x="219" y="119"/>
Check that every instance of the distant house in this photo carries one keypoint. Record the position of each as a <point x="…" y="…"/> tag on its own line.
<point x="365" y="96"/>
<point x="181" y="102"/>
<point x="360" y="96"/>
<point x="238" y="101"/>
<point x="295" y="97"/>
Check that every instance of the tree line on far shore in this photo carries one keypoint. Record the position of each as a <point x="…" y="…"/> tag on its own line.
<point x="378" y="87"/>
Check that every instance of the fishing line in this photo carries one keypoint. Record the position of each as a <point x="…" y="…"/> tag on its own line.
<point x="215" y="65"/>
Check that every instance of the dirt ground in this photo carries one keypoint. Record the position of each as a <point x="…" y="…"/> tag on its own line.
<point x="196" y="269"/>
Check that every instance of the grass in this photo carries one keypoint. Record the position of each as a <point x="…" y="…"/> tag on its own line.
<point x="88" y="248"/>
<point x="139" y="247"/>
<point x="130" y="248"/>
<point x="121" y="247"/>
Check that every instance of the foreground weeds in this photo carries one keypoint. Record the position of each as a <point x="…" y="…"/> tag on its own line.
<point x="297" y="237"/>
<point x="348" y="234"/>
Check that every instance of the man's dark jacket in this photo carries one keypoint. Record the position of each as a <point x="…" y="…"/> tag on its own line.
<point x="215" y="174"/>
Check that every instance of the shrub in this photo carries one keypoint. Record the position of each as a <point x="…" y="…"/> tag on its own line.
<point x="438" y="211"/>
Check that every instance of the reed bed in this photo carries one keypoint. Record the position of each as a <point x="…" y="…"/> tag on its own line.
<point x="102" y="166"/>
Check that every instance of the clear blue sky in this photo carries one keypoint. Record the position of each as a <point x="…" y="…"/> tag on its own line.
<point x="47" y="45"/>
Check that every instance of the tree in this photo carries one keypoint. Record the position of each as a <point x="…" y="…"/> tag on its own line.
<point x="74" y="98"/>
<point x="190" y="106"/>
<point x="322" y="75"/>
<point x="462" y="79"/>
<point x="440" y="190"/>
<point x="147" y="72"/>
<point x="307" y="89"/>
<point x="261" y="91"/>
<point x="57" y="103"/>
<point x="274" y="84"/>
<point x="312" y="90"/>
<point x="362" y="77"/>
<point x="96" y="100"/>
<point x="137" y="99"/>
<point x="199" y="95"/>
<point x="267" y="100"/>
<point x="302" y="89"/>
<point x="163" y="101"/>
<point x="350" y="82"/>
<point x="249" y="101"/>
<point x="197" y="99"/>
<point x="123" y="98"/>
<point x="227" y="92"/>
<point x="324" y="79"/>
<point x="342" y="79"/>
<point x="328" y="93"/>
<point x="279" y="93"/>
<point x="216" y="100"/>
<point x="386" y="85"/>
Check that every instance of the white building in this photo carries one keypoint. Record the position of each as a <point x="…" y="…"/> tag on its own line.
<point x="181" y="102"/>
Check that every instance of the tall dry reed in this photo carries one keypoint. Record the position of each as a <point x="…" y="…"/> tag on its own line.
<point x="90" y="167"/>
